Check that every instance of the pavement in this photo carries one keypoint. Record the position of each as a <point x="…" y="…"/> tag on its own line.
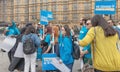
<point x="4" y="62"/>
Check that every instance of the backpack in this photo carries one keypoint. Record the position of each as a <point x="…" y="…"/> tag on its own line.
<point x="76" y="49"/>
<point x="44" y="46"/>
<point x="29" y="46"/>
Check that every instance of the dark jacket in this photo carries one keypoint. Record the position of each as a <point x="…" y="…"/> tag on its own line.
<point x="15" y="62"/>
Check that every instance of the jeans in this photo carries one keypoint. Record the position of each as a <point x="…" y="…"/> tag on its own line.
<point x="70" y="66"/>
<point x="30" y="62"/>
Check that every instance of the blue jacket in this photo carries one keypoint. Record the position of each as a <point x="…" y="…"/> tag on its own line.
<point x="34" y="37"/>
<point x="82" y="34"/>
<point x="66" y="50"/>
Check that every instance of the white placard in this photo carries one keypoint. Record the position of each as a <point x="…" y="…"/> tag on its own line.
<point x="8" y="43"/>
<point x="19" y="51"/>
<point x="60" y="66"/>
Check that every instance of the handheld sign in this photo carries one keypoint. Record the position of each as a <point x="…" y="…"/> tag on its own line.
<point x="43" y="17"/>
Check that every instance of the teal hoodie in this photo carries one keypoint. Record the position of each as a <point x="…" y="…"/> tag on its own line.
<point x="12" y="30"/>
<point x="66" y="50"/>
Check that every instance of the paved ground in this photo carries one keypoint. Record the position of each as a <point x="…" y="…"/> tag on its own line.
<point x="4" y="62"/>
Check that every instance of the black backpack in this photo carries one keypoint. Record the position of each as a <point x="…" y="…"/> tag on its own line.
<point x="29" y="46"/>
<point x="76" y="49"/>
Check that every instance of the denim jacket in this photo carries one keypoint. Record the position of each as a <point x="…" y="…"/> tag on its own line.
<point x="34" y="37"/>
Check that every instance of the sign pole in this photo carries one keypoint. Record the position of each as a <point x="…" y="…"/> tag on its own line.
<point x="53" y="42"/>
<point x="43" y="31"/>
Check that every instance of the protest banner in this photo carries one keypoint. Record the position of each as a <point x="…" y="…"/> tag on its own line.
<point x="8" y="43"/>
<point x="105" y="7"/>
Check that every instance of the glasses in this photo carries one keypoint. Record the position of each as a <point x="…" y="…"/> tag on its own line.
<point x="87" y="24"/>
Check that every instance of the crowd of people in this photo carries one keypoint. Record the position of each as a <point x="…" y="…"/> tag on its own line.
<point x="97" y="39"/>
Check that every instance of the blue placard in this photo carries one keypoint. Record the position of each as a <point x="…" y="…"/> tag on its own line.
<point x="43" y="17"/>
<point x="105" y="7"/>
<point x="46" y="61"/>
<point x="50" y="15"/>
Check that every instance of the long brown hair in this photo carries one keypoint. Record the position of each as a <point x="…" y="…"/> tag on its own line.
<point x="67" y="29"/>
<point x="98" y="20"/>
<point x="49" y="30"/>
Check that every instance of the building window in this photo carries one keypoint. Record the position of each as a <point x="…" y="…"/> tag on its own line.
<point x="41" y="1"/>
<point x="26" y="1"/>
<point x="45" y="1"/>
<point x="26" y="10"/>
<point x="33" y="17"/>
<point x="33" y="9"/>
<point x="65" y="17"/>
<point x="65" y="7"/>
<point x="75" y="16"/>
<point x="74" y="7"/>
<point x="18" y="2"/>
<point x="54" y="16"/>
<point x="54" y="7"/>
<point x="45" y="7"/>
<point x="53" y="0"/>
<point x="41" y="6"/>
<point x="18" y="10"/>
<point x="65" y="0"/>
<point x="26" y="18"/>
<point x="33" y="1"/>
<point x="87" y="8"/>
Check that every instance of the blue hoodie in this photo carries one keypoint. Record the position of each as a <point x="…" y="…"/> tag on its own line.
<point x="66" y="50"/>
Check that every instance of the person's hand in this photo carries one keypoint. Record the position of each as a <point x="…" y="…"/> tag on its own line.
<point x="60" y="62"/>
<point x="3" y="50"/>
<point x="82" y="54"/>
<point x="52" y="42"/>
